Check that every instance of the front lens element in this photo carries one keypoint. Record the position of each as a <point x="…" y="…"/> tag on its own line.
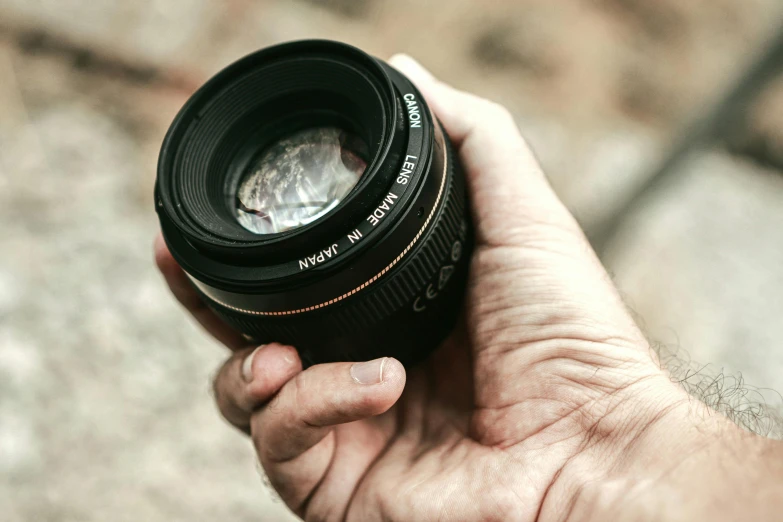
<point x="299" y="178"/>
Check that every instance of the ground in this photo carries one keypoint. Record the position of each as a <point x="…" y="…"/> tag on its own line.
<point x="105" y="409"/>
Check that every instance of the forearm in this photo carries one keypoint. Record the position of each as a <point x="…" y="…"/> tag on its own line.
<point x="691" y="464"/>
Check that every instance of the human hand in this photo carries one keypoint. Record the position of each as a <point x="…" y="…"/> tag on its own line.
<point x="540" y="406"/>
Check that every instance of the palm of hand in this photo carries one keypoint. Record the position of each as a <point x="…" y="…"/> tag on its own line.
<point x="452" y="448"/>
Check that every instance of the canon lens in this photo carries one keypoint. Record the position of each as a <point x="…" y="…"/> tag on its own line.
<point x="314" y="200"/>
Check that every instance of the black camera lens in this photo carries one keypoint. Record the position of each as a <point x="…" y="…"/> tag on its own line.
<point x="299" y="179"/>
<point x="314" y="200"/>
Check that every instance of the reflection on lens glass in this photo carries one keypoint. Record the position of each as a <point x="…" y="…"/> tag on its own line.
<point x="299" y="179"/>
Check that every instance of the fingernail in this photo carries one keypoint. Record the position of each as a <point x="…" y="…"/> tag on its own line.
<point x="247" y="365"/>
<point x="370" y="372"/>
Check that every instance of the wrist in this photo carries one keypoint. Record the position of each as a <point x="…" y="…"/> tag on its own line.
<point x="671" y="458"/>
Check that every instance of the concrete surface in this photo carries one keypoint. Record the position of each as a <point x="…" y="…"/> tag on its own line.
<point x="105" y="410"/>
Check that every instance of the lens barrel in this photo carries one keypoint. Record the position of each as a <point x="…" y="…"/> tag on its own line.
<point x="383" y="273"/>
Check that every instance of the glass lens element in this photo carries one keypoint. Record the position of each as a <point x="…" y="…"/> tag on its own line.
<point x="299" y="179"/>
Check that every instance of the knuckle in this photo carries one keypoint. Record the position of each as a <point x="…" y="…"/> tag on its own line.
<point x="497" y="111"/>
<point x="222" y="388"/>
<point x="494" y="116"/>
<point x="226" y="409"/>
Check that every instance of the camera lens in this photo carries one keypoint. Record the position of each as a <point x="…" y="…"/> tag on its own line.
<point x="314" y="200"/>
<point x="299" y="179"/>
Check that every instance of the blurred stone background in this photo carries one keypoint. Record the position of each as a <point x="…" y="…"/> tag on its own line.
<point x="105" y="409"/>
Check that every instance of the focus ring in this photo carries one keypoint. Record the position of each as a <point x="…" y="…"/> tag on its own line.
<point x="417" y="273"/>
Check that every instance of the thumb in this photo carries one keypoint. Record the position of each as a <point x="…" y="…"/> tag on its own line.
<point x="537" y="283"/>
<point x="508" y="188"/>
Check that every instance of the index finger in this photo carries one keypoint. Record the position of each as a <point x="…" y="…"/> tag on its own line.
<point x="183" y="290"/>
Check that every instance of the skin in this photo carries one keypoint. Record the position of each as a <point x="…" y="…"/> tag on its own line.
<point x="546" y="403"/>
